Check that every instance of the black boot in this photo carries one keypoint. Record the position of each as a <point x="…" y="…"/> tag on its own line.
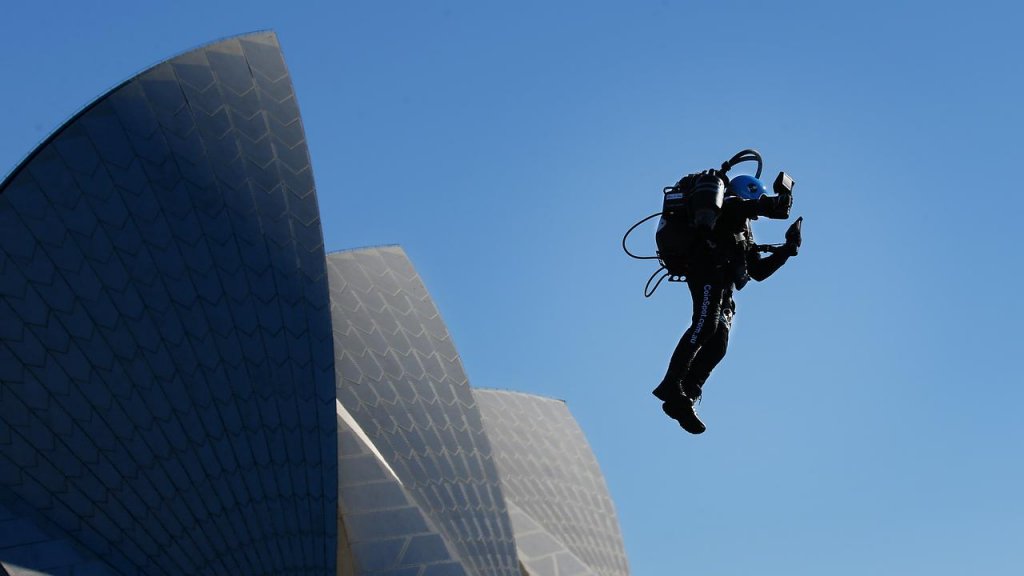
<point x="669" y="389"/>
<point x="682" y="410"/>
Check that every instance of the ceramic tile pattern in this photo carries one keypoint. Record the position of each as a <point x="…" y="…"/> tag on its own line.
<point x="29" y="540"/>
<point x="189" y="385"/>
<point x="399" y="376"/>
<point x="551" y="476"/>
<point x="388" y="533"/>
<point x="165" y="344"/>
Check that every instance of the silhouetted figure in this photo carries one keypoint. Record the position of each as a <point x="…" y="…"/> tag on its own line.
<point x="720" y="258"/>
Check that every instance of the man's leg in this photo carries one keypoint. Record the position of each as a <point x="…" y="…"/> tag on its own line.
<point x="708" y="300"/>
<point x="707" y="305"/>
<point x="710" y="354"/>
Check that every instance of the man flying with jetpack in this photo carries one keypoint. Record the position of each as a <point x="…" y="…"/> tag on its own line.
<point x="705" y="236"/>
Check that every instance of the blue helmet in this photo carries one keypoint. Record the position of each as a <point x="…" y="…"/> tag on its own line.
<point x="746" y="186"/>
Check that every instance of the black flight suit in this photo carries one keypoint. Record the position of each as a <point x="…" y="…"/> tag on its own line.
<point x="726" y="261"/>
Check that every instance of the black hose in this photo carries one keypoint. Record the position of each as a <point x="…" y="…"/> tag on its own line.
<point x="648" y="291"/>
<point x="633" y="227"/>
<point x="746" y="155"/>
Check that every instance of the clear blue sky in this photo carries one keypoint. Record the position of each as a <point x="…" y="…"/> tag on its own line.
<point x="868" y="417"/>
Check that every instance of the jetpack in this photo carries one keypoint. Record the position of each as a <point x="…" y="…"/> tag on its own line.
<point x="690" y="210"/>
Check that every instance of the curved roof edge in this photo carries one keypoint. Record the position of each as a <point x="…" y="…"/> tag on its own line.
<point x="521" y="393"/>
<point x="364" y="248"/>
<point x="416" y="526"/>
<point x="10" y="176"/>
<point x="539" y="550"/>
<point x="551" y="475"/>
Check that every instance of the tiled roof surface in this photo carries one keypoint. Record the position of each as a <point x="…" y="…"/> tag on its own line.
<point x="165" y="346"/>
<point x="551" y="476"/>
<point x="401" y="379"/>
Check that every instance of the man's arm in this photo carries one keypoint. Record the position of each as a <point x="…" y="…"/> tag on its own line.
<point x="776" y="207"/>
<point x="760" y="267"/>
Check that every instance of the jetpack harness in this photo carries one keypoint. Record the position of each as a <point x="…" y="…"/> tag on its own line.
<point x="690" y="210"/>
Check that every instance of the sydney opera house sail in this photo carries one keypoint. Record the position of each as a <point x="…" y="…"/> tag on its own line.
<point x="190" y="385"/>
<point x="401" y="379"/>
<point x="167" y="402"/>
<point x="563" y="516"/>
<point x="384" y="530"/>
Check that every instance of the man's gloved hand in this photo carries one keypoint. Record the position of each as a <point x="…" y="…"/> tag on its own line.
<point x="785" y="203"/>
<point x="793" y="237"/>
